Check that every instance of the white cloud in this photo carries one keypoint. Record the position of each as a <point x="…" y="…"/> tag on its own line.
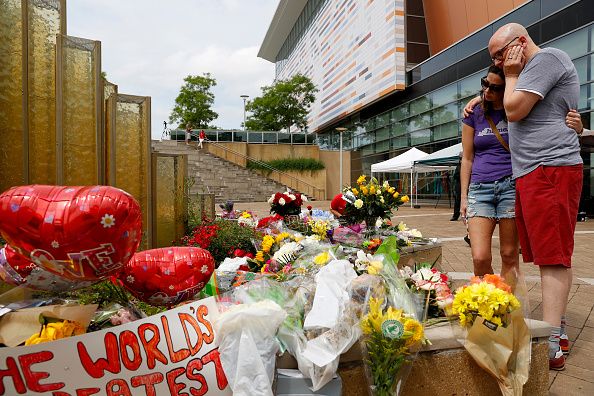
<point x="149" y="46"/>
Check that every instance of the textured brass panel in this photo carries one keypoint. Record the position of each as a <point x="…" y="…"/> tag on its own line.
<point x="110" y="92"/>
<point x="80" y="107"/>
<point x="132" y="170"/>
<point x="170" y="202"/>
<point x="45" y="21"/>
<point x="12" y="170"/>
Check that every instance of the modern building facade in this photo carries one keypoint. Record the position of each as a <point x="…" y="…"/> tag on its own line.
<point x="444" y="56"/>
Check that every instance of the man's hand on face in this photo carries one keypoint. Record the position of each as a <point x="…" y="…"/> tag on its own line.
<point x="514" y="61"/>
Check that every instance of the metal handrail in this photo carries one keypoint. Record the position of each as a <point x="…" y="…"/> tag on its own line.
<point x="298" y="181"/>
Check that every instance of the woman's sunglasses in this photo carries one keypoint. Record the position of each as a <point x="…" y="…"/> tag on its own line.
<point x="493" y="87"/>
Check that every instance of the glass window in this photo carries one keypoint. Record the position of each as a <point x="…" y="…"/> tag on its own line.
<point x="418" y="137"/>
<point x="399" y="142"/>
<point x="471" y="85"/>
<point x="382" y="120"/>
<point x="382" y="134"/>
<point x="255" y="137"/>
<point x="298" y="138"/>
<point x="240" y="136"/>
<point x="445" y="95"/>
<point x="399" y="128"/>
<point x="420" y="105"/>
<point x="367" y="150"/>
<point x="225" y="136"/>
<point x="419" y="122"/>
<point x="382" y="146"/>
<point x="284" y="138"/>
<point x="575" y="44"/>
<point x="581" y="65"/>
<point x="400" y="113"/>
<point x="445" y="131"/>
<point x="210" y="135"/>
<point x="584" y="103"/>
<point x="269" y="137"/>
<point x="445" y="114"/>
<point x="369" y="124"/>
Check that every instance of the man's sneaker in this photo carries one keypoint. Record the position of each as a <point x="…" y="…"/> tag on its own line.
<point x="564" y="344"/>
<point x="558" y="362"/>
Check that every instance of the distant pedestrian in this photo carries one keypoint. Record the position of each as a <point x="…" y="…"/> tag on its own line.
<point x="457" y="190"/>
<point x="188" y="133"/>
<point x="201" y="138"/>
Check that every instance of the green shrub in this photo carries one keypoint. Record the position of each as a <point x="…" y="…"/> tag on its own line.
<point x="288" y="164"/>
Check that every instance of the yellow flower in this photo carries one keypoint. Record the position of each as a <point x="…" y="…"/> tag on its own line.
<point x="246" y="215"/>
<point x="267" y="243"/>
<point x="361" y="179"/>
<point x="372" y="190"/>
<point x="55" y="331"/>
<point x="364" y="190"/>
<point x="404" y="198"/>
<point x="395" y="195"/>
<point x="322" y="258"/>
<point x="259" y="256"/>
<point x="355" y="191"/>
<point x="391" y="190"/>
<point x="374" y="267"/>
<point x="416" y="329"/>
<point x="282" y="236"/>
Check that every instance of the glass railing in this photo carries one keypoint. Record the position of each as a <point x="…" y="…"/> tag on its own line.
<point x="258" y="137"/>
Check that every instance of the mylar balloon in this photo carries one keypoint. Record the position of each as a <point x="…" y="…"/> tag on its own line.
<point x="79" y="233"/>
<point x="16" y="270"/>
<point x="167" y="276"/>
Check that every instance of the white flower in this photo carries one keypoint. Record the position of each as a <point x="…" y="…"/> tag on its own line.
<point x="271" y="199"/>
<point x="379" y="222"/>
<point x="406" y="272"/>
<point x="55" y="244"/>
<point x="378" y="192"/>
<point x="382" y="200"/>
<point x="386" y="185"/>
<point x="107" y="221"/>
<point x="402" y="226"/>
<point x="303" y="197"/>
<point x="130" y="279"/>
<point x="281" y="201"/>
<point x="416" y="233"/>
<point x="292" y="196"/>
<point x="358" y="204"/>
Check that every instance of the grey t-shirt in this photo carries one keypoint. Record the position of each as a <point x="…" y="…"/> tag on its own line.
<point x="542" y="137"/>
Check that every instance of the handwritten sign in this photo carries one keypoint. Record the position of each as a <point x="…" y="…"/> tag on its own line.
<point x="173" y="353"/>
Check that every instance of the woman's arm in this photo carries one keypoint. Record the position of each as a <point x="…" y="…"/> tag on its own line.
<point x="466" y="168"/>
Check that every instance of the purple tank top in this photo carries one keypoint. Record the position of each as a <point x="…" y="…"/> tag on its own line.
<point x="491" y="160"/>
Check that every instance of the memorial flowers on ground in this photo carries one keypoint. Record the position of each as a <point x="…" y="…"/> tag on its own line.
<point x="370" y="200"/>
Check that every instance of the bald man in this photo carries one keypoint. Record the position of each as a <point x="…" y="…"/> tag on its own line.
<point x="541" y="86"/>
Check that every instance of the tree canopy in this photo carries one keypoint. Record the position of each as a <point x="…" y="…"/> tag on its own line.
<point x="194" y="102"/>
<point x="282" y="105"/>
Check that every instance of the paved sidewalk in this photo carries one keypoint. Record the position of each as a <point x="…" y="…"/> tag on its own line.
<point x="578" y="376"/>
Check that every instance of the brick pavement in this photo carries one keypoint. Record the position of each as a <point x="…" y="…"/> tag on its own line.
<point x="578" y="377"/>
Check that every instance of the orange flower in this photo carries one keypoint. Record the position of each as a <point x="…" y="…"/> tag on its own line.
<point x="495" y="280"/>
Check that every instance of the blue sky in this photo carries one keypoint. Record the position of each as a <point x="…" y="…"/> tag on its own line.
<point x="149" y="46"/>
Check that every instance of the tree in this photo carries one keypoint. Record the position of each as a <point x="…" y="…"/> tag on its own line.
<point x="282" y="105"/>
<point x="193" y="104"/>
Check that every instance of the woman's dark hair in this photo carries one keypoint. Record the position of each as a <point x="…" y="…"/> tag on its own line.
<point x="486" y="105"/>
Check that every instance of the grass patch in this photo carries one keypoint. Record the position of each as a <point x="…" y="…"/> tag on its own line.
<point x="289" y="164"/>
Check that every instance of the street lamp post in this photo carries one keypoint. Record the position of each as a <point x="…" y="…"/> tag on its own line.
<point x="340" y="131"/>
<point x="244" y="97"/>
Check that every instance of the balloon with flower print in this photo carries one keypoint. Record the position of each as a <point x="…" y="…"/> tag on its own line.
<point x="79" y="233"/>
<point x="168" y="276"/>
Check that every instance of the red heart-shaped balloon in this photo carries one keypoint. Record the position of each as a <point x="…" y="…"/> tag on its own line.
<point x="18" y="271"/>
<point x="167" y="276"/>
<point x="79" y="233"/>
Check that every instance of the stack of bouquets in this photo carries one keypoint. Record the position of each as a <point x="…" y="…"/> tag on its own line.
<point x="498" y="337"/>
<point x="288" y="203"/>
<point x="370" y="200"/>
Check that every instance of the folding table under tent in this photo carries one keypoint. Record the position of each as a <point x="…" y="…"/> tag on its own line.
<point x="401" y="163"/>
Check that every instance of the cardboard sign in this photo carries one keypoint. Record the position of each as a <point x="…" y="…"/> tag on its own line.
<point x="173" y="353"/>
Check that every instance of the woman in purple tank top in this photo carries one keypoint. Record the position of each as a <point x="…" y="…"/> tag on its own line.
<point x="488" y="190"/>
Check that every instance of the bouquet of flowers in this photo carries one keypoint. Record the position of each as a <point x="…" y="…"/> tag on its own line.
<point x="498" y="338"/>
<point x="432" y="286"/>
<point x="489" y="297"/>
<point x="247" y="218"/>
<point x="288" y="203"/>
<point x="390" y="337"/>
<point x="370" y="200"/>
<point x="276" y="254"/>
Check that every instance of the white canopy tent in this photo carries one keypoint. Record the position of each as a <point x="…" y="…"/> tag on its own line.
<point x="444" y="159"/>
<point x="401" y="163"/>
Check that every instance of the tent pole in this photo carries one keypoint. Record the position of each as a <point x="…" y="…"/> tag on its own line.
<point x="411" y="186"/>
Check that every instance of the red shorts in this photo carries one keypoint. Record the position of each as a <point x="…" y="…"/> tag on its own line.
<point x="547" y="201"/>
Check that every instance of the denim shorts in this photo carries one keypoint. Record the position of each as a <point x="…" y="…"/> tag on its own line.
<point x="494" y="200"/>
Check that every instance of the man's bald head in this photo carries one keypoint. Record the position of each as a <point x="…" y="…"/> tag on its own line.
<point x="505" y="34"/>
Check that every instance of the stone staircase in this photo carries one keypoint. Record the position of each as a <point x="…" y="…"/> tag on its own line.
<point x="215" y="175"/>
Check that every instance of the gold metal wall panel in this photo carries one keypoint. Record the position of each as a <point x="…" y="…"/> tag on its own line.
<point x="12" y="166"/>
<point x="169" y="211"/>
<point x="132" y="170"/>
<point x="79" y="96"/>
<point x="45" y="20"/>
<point x="110" y="93"/>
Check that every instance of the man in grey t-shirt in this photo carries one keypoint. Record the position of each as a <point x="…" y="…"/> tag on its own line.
<point x="541" y="87"/>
